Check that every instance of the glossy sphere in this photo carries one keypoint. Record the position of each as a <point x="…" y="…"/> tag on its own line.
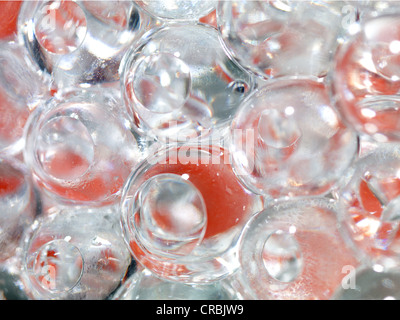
<point x="74" y="253"/>
<point x="73" y="156"/>
<point x="369" y="204"/>
<point x="80" y="42"/>
<point x="227" y="205"/>
<point x="225" y="208"/>
<point x="178" y="83"/>
<point x="277" y="38"/>
<point x="366" y="78"/>
<point x="293" y="250"/>
<point x="288" y="140"/>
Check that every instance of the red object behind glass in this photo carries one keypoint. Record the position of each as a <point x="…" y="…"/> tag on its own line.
<point x="8" y="16"/>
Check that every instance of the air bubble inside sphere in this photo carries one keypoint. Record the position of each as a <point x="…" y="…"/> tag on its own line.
<point x="293" y="250"/>
<point x="369" y="206"/>
<point x="277" y="38"/>
<point x="178" y="9"/>
<point x="288" y="140"/>
<point x="178" y="83"/>
<point x="366" y="79"/>
<point x="176" y="224"/>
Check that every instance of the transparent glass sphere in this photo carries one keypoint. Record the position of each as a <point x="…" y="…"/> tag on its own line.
<point x="293" y="250"/>
<point x="18" y="205"/>
<point x="281" y="38"/>
<point x="178" y="83"/>
<point x="80" y="147"/>
<point x="74" y="253"/>
<point x="182" y="213"/>
<point x="80" y="42"/>
<point x="369" y="205"/>
<point x="22" y="88"/>
<point x="365" y="78"/>
<point x="177" y="9"/>
<point x="288" y="140"/>
<point x="144" y="285"/>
